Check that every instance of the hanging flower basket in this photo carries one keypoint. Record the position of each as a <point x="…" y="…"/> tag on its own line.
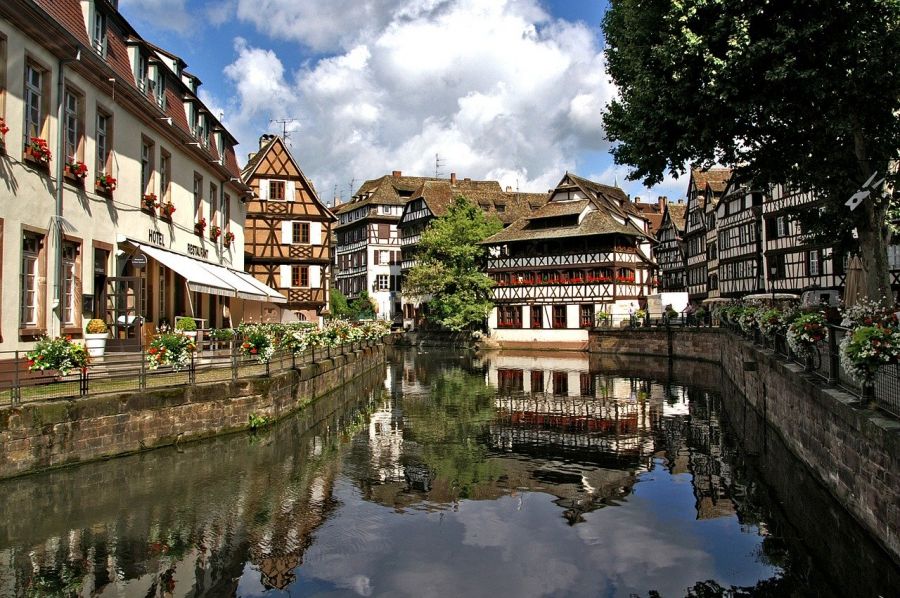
<point x="200" y="226"/>
<point x="59" y="354"/>
<point x="172" y="349"/>
<point x="228" y="239"/>
<point x="805" y="332"/>
<point x="866" y="349"/>
<point x="215" y="232"/>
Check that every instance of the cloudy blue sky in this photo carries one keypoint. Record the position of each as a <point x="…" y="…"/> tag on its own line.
<point x="511" y="90"/>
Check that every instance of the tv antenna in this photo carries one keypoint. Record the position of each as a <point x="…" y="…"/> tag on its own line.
<point x="350" y="187"/>
<point x="438" y="163"/>
<point x="284" y="122"/>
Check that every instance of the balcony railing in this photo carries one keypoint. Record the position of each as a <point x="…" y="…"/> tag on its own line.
<point x="572" y="259"/>
<point x="593" y="290"/>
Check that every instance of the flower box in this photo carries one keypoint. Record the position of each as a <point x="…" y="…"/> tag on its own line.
<point x="215" y="232"/>
<point x="167" y="209"/>
<point x="228" y="239"/>
<point x="36" y="151"/>
<point x="3" y="131"/>
<point x="105" y="184"/>
<point x="200" y="226"/>
<point x="149" y="203"/>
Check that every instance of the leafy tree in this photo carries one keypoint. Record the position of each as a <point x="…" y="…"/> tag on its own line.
<point x="338" y="306"/>
<point x="803" y="93"/>
<point x="450" y="266"/>
<point x="363" y="307"/>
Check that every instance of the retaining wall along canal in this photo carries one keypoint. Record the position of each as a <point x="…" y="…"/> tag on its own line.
<point x="854" y="451"/>
<point x="44" y="435"/>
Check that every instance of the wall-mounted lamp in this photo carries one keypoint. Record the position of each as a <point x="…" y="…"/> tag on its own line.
<point x="168" y="119"/>
<point x="195" y="143"/>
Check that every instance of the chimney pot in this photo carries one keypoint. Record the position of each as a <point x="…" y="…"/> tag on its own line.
<point x="396" y="174"/>
<point x="452" y="178"/>
<point x="509" y="188"/>
<point x="467" y="180"/>
<point x="264" y="139"/>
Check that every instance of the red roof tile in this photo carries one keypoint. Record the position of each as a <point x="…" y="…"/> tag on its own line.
<point x="67" y="13"/>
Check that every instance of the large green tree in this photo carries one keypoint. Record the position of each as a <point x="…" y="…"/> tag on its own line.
<point x="804" y="93"/>
<point x="449" y="272"/>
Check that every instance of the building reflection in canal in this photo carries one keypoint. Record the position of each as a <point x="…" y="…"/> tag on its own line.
<point x="301" y="507"/>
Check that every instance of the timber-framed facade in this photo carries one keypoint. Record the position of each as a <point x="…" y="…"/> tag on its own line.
<point x="704" y="189"/>
<point x="287" y="231"/>
<point x="669" y="252"/>
<point x="584" y="253"/>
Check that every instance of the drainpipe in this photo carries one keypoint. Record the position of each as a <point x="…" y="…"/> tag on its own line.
<point x="58" y="286"/>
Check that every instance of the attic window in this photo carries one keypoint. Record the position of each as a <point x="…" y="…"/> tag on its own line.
<point x="98" y="38"/>
<point x="554" y="222"/>
<point x="404" y="193"/>
<point x="500" y="207"/>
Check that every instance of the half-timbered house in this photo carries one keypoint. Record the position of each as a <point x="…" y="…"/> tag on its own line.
<point x="704" y="189"/>
<point x="287" y="231"/>
<point x="367" y="243"/>
<point x="794" y="263"/>
<point x="739" y="230"/>
<point x="432" y="200"/>
<point x="669" y="251"/>
<point x="586" y="251"/>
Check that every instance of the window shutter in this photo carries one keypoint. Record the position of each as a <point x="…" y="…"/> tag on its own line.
<point x="287" y="232"/>
<point x="285" y="276"/>
<point x="375" y="255"/>
<point x="315" y="277"/>
<point x="264" y="188"/>
<point x="315" y="233"/>
<point x="290" y="189"/>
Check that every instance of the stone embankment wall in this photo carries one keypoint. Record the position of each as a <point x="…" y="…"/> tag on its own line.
<point x="853" y="450"/>
<point x="45" y="435"/>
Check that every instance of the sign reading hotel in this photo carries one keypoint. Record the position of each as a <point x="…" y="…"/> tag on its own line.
<point x="157" y="238"/>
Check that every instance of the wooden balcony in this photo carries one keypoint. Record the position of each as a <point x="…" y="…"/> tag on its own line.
<point x="574" y="260"/>
<point x="595" y="291"/>
<point x="305" y="296"/>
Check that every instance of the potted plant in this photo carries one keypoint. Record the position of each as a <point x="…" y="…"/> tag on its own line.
<point x="172" y="349"/>
<point x="228" y="239"/>
<point x="221" y="337"/>
<point x="168" y="209"/>
<point x="4" y="129"/>
<point x="150" y="203"/>
<point x="200" y="226"/>
<point x="76" y="170"/>
<point x="867" y="348"/>
<point x="602" y="318"/>
<point x="804" y="332"/>
<point x="105" y="184"/>
<point x="258" y="343"/>
<point x="36" y="149"/>
<point x="95" y="334"/>
<point x="59" y="354"/>
<point x="187" y="326"/>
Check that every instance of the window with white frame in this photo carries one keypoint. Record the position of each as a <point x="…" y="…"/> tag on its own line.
<point x="143" y="72"/>
<point x="69" y="257"/>
<point x="382" y="282"/>
<point x="814" y="262"/>
<point x="165" y="174"/>
<point x="72" y="130"/>
<point x="781" y="226"/>
<point x="198" y="196"/>
<point x="98" y="37"/>
<point x="146" y="166"/>
<point x="29" y="303"/>
<point x="34" y="102"/>
<point x="103" y="139"/>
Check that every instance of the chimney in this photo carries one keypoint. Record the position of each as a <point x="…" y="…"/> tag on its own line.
<point x="396" y="174"/>
<point x="264" y="139"/>
<point x="250" y="156"/>
<point x="509" y="188"/>
<point x="452" y="178"/>
<point x="663" y="200"/>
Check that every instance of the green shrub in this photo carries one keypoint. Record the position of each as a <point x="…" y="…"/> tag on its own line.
<point x="186" y="324"/>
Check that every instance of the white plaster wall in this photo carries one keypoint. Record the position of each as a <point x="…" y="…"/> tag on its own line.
<point x="545" y="335"/>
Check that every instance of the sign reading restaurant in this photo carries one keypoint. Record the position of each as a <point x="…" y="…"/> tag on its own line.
<point x="200" y="252"/>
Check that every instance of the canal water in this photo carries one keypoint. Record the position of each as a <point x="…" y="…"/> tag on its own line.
<point x="448" y="475"/>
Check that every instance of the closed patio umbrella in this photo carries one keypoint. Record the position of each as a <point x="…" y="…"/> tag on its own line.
<point x="853" y="285"/>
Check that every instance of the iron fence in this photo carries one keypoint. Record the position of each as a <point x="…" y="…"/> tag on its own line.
<point x="214" y="361"/>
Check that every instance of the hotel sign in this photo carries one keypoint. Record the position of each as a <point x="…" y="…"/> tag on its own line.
<point x="156" y="237"/>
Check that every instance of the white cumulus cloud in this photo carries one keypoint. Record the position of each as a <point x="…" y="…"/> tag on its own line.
<point x="496" y="88"/>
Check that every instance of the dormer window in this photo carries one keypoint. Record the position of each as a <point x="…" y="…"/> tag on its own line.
<point x="158" y="86"/>
<point x="142" y="74"/>
<point x="98" y="38"/>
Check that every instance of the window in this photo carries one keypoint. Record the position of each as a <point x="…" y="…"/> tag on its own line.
<point x="588" y="385"/>
<point x="198" y="196"/>
<point x="776" y="266"/>
<point x="382" y="282"/>
<point x="70" y="283"/>
<point x="813" y="262"/>
<point x="276" y="189"/>
<point x="98" y="37"/>
<point x="146" y="166"/>
<point x="510" y="381"/>
<point x="559" y="316"/>
<point x="509" y="316"/>
<point x="226" y="210"/>
<point x="300" y="276"/>
<point x="213" y="203"/>
<point x="560" y="383"/>
<point x="71" y="116"/>
<point x="143" y="72"/>
<point x="104" y="130"/>
<point x="384" y="231"/>
<point x="34" y="101"/>
<point x="161" y="313"/>
<point x="537" y="316"/>
<point x="32" y="246"/>
<point x="158" y="84"/>
<point x="165" y="174"/>
<point x="537" y="381"/>
<point x="301" y="233"/>
<point x="586" y="316"/>
<point x="781" y="226"/>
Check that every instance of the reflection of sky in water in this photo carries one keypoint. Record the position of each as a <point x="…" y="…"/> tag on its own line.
<point x="520" y="545"/>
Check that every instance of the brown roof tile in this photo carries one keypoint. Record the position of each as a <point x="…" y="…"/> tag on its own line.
<point x="67" y="13"/>
<point x="596" y="223"/>
<point x="716" y="178"/>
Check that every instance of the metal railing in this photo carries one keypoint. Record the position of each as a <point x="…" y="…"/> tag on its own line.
<point x="214" y="361"/>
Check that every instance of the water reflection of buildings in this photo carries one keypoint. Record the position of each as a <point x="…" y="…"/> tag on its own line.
<point x="191" y="524"/>
<point x="549" y="424"/>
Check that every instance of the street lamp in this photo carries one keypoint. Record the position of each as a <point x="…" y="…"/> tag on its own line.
<point x="773" y="271"/>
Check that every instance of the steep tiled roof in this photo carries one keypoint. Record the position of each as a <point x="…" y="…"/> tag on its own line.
<point x="69" y="15"/>
<point x="677" y="213"/>
<point x="560" y="208"/>
<point x="253" y="162"/>
<point x="488" y="195"/>
<point x="596" y="223"/>
<point x="716" y="178"/>
<point x="386" y="190"/>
